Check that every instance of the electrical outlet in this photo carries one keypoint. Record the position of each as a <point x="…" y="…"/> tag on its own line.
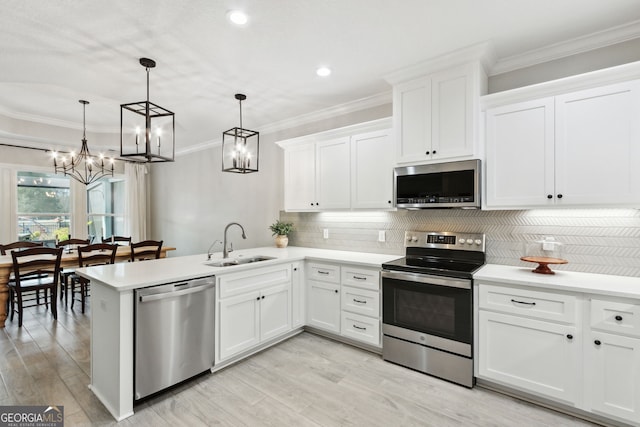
<point x="382" y="236"/>
<point x="325" y="233"/>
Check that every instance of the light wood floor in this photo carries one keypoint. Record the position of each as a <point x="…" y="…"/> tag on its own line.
<point x="305" y="381"/>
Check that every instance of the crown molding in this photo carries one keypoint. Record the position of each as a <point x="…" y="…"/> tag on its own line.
<point x="41" y="120"/>
<point x="566" y="48"/>
<point x="480" y="52"/>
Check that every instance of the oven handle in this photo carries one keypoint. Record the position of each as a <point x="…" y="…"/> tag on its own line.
<point x="427" y="278"/>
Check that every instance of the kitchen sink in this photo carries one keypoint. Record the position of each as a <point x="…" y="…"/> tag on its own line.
<point x="228" y="262"/>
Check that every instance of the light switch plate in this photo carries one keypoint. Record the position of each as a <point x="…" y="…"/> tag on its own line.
<point x="382" y="236"/>
<point x="325" y="233"/>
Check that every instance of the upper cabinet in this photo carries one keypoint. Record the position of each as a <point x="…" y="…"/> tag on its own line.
<point x="436" y="115"/>
<point x="575" y="149"/>
<point x="348" y="168"/>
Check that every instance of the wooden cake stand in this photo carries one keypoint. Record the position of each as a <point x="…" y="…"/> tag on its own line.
<point x="543" y="263"/>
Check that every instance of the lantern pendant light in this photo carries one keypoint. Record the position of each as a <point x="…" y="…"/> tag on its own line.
<point x="147" y="131"/>
<point x="240" y="147"/>
<point x="82" y="167"/>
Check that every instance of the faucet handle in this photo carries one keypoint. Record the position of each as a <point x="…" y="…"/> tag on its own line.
<point x="230" y="247"/>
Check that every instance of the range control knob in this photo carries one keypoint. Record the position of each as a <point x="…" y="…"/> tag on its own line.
<point x="469" y="241"/>
<point x="462" y="241"/>
<point x="478" y="242"/>
<point x="414" y="239"/>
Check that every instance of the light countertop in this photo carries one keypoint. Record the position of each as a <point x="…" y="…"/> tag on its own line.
<point x="601" y="284"/>
<point x="126" y="276"/>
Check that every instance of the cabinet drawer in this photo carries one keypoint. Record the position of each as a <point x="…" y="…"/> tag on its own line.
<point x="361" y="301"/>
<point x="361" y="328"/>
<point x="366" y="278"/>
<point x="554" y="306"/>
<point x="247" y="281"/>
<point x="618" y="317"/>
<point x="324" y="272"/>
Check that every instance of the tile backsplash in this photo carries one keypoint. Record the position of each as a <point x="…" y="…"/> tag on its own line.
<point x="603" y="241"/>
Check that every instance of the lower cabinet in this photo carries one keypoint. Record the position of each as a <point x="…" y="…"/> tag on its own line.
<point x="253" y="307"/>
<point x="576" y="349"/>
<point x="323" y="305"/>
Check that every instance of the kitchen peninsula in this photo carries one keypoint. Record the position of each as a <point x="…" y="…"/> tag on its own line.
<point x="113" y="287"/>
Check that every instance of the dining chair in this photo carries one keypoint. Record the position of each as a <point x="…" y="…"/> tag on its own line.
<point x="68" y="245"/>
<point x="147" y="249"/>
<point x="117" y="240"/>
<point x="34" y="269"/>
<point x="90" y="255"/>
<point x="16" y="246"/>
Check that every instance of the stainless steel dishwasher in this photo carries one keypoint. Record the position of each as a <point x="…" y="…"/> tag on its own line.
<point x="174" y="335"/>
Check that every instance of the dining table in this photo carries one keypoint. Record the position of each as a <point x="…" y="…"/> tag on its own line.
<point x="69" y="259"/>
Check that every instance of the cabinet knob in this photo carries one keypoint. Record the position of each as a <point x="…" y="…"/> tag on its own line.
<point x="258" y="299"/>
<point x="549" y="196"/>
<point x="569" y="336"/>
<point x="618" y="318"/>
<point x="311" y="203"/>
<point x="262" y="296"/>
<point x="389" y="201"/>
<point x="433" y="152"/>
<point x="336" y="291"/>
<point x="597" y="342"/>
<point x="559" y="196"/>
<point x="427" y="153"/>
<point x="295" y="269"/>
<point x="319" y="203"/>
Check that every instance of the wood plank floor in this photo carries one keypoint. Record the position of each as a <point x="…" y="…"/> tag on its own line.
<point x="305" y="381"/>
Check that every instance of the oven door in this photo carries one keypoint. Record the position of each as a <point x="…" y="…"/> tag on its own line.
<point x="429" y="310"/>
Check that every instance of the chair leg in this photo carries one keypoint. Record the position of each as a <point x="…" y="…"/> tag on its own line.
<point x="73" y="290"/>
<point x="13" y="302"/>
<point x="38" y="297"/>
<point x="19" y="298"/>
<point x="82" y="295"/>
<point x="54" y="305"/>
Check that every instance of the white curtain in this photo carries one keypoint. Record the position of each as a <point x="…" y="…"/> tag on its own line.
<point x="135" y="208"/>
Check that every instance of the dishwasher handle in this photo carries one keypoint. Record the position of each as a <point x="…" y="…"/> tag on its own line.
<point x="172" y="294"/>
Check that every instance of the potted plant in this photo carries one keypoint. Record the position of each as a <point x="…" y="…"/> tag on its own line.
<point x="281" y="230"/>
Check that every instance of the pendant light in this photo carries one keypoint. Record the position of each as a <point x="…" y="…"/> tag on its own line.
<point x="82" y="167"/>
<point x="147" y="131"/>
<point x="240" y="147"/>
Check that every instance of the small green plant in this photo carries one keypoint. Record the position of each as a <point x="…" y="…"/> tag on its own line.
<point x="280" y="228"/>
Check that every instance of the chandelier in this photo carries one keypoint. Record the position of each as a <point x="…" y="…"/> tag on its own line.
<point x="157" y="143"/>
<point x="82" y="167"/>
<point x="240" y="147"/>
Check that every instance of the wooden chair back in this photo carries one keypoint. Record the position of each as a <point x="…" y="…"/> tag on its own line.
<point x="16" y="246"/>
<point x="41" y="262"/>
<point x="147" y="249"/>
<point x="72" y="242"/>
<point x="117" y="240"/>
<point x="96" y="254"/>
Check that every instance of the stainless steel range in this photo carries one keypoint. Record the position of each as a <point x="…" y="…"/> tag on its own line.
<point x="427" y="304"/>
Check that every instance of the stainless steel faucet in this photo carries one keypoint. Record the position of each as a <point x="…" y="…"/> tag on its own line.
<point x="225" y="250"/>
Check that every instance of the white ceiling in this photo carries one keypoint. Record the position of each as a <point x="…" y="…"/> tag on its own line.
<point x="53" y="53"/>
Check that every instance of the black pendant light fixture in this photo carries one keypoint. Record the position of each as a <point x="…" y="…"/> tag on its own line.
<point x="240" y="147"/>
<point x="83" y="167"/>
<point x="147" y="131"/>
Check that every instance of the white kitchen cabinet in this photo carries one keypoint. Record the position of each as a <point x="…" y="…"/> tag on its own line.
<point x="576" y="149"/>
<point x="298" y="295"/>
<point x="300" y="177"/>
<point x="532" y="355"/>
<point x="332" y="174"/>
<point x="323" y="305"/>
<point x="372" y="170"/>
<point x="435" y="116"/>
<point x="253" y="307"/>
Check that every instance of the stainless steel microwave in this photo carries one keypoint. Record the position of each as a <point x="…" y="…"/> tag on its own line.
<point x="439" y="185"/>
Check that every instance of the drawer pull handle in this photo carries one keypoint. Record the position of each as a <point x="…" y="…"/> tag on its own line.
<point x="597" y="342"/>
<point x="322" y="272"/>
<point x="359" y="278"/>
<point x="522" y="302"/>
<point x="359" y="301"/>
<point x="569" y="336"/>
<point x="358" y="327"/>
<point x="619" y="318"/>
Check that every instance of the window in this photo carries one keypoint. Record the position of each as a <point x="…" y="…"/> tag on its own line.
<point x="44" y="207"/>
<point x="105" y="208"/>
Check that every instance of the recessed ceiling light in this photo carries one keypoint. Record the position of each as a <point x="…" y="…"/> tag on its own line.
<point x="238" y="17"/>
<point x="323" y="71"/>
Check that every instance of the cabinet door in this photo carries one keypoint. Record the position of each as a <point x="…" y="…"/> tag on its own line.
<point x="520" y="155"/>
<point x="412" y="120"/>
<point x="297" y="295"/>
<point x="275" y="311"/>
<point x="323" y="307"/>
<point x="300" y="178"/>
<point x="597" y="149"/>
<point x="452" y="113"/>
<point x="239" y="324"/>
<point x="613" y="375"/>
<point x="332" y="174"/>
<point x="531" y="355"/>
<point x="372" y="170"/>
